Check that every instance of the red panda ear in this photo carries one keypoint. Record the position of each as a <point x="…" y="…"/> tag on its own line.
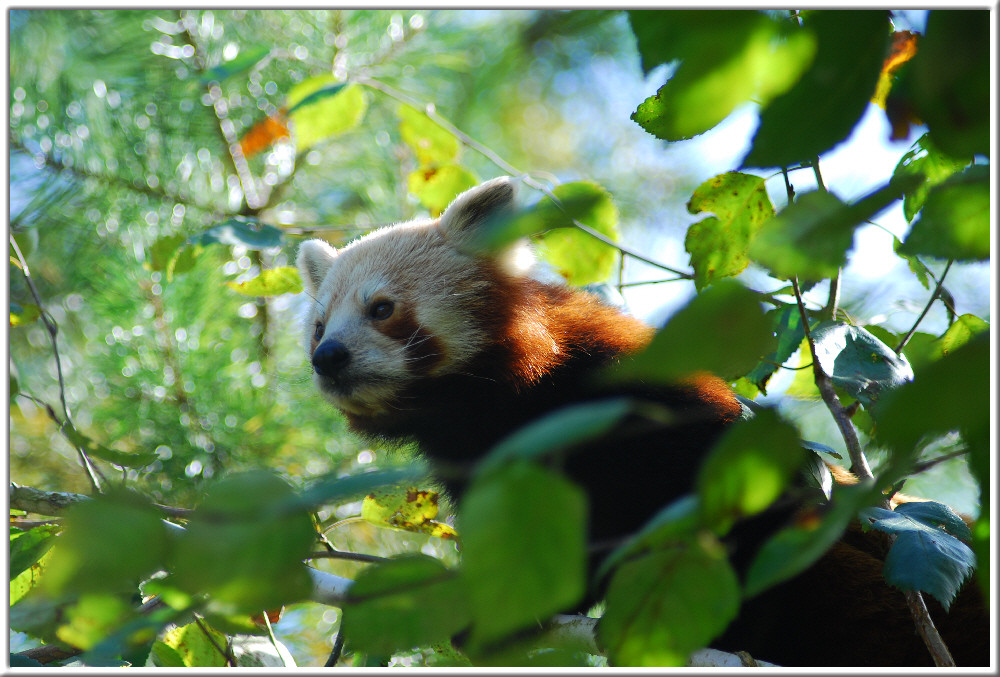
<point x="476" y="206"/>
<point x="314" y="261"/>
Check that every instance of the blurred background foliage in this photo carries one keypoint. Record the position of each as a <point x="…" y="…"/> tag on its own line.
<point x="132" y="132"/>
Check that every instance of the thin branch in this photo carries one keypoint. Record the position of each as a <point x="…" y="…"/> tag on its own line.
<point x="53" y="330"/>
<point x="931" y="462"/>
<point x="930" y="302"/>
<point x="859" y="463"/>
<point x="928" y="632"/>
<point x="488" y="153"/>
<point x="338" y="649"/>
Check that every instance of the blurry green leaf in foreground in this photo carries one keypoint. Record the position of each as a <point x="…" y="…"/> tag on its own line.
<point x="664" y="605"/>
<point x="811" y="237"/>
<point x="718" y="244"/>
<point x="747" y="469"/>
<point x="407" y="602"/>
<point x="955" y="220"/>
<point x="858" y="362"/>
<point x="522" y="548"/>
<point x="108" y="544"/>
<point x="242" y="231"/>
<point x="726" y="58"/>
<point x="843" y="76"/>
<point x="271" y="282"/>
<point x="578" y="256"/>
<point x="321" y="107"/>
<point x="699" y="337"/>
<point x="950" y="394"/>
<point x="951" y="80"/>
<point x="436" y="187"/>
<point x="932" y="165"/>
<point x="243" y="551"/>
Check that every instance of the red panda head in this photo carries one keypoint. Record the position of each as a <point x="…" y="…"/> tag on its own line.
<point x="404" y="302"/>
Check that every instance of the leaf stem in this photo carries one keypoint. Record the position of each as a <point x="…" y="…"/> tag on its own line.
<point x="930" y="302"/>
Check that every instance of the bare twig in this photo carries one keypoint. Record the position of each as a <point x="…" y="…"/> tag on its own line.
<point x="53" y="330"/>
<point x="928" y="632"/>
<point x="930" y="302"/>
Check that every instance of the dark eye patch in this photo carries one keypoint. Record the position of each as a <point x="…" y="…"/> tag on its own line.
<point x="381" y="310"/>
<point x="318" y="332"/>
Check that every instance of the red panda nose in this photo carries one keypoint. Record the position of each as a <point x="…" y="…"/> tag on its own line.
<point x="330" y="357"/>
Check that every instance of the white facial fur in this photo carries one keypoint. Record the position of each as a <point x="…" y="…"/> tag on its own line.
<point x="435" y="289"/>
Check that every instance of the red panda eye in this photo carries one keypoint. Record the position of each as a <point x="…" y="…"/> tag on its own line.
<point x="380" y="310"/>
<point x="318" y="333"/>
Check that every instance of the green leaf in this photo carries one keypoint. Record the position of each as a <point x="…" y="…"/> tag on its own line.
<point x="249" y="233"/>
<point x="192" y="646"/>
<point x="952" y="393"/>
<point x="271" y="282"/>
<point x="924" y="557"/>
<point x="241" y="549"/>
<point x="27" y="547"/>
<point x="719" y="244"/>
<point x="937" y="515"/>
<point x="726" y="58"/>
<point x="858" y="362"/>
<point x="108" y="544"/>
<point x="91" y="618"/>
<point x="951" y="80"/>
<point x="955" y="220"/>
<point x="321" y="107"/>
<point x="747" y="470"/>
<point x="675" y="524"/>
<point x="699" y="338"/>
<point x="558" y="431"/>
<point x="795" y="548"/>
<point x="241" y="64"/>
<point x="932" y="166"/>
<point x="522" y="548"/>
<point x="502" y="231"/>
<point x="959" y="333"/>
<point x="163" y="251"/>
<point x="333" y="488"/>
<point x="843" y="76"/>
<point x="21" y="315"/>
<point x="787" y="326"/>
<point x="431" y="143"/>
<point x="412" y="601"/>
<point x="30" y="555"/>
<point x="663" y="606"/>
<point x="436" y="187"/>
<point x="811" y="237"/>
<point x="579" y="257"/>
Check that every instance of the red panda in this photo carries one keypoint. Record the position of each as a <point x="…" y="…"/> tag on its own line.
<point x="415" y="336"/>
